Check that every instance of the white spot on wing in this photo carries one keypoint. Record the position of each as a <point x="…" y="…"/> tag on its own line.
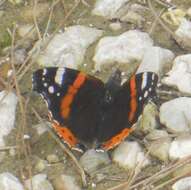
<point x="44" y="72"/>
<point x="58" y="94"/>
<point x="51" y="89"/>
<point x="45" y="84"/>
<point x="59" y="75"/>
<point x="140" y="98"/>
<point x="144" y="80"/>
<point x="145" y="94"/>
<point x="153" y="76"/>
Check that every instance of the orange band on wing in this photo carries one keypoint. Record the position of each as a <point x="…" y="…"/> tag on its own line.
<point x="71" y="92"/>
<point x="117" y="139"/>
<point x="66" y="134"/>
<point x="133" y="101"/>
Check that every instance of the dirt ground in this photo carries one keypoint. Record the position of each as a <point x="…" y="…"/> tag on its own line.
<point x="22" y="160"/>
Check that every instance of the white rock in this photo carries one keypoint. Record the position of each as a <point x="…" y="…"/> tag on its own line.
<point x="39" y="182"/>
<point x="92" y="160"/>
<point x="9" y="182"/>
<point x="184" y="32"/>
<point x="109" y="8"/>
<point x="161" y="58"/>
<point x="175" y="114"/>
<point x="123" y="49"/>
<point x="129" y="155"/>
<point x="182" y="184"/>
<point x="180" y="75"/>
<point x="65" y="182"/>
<point x="8" y="102"/>
<point x="68" y="49"/>
<point x="180" y="148"/>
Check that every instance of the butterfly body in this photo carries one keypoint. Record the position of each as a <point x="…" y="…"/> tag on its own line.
<point x="84" y="109"/>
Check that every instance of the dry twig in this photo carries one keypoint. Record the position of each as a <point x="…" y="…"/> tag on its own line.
<point x="65" y="149"/>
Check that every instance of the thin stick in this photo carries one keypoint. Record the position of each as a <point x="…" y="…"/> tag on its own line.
<point x="21" y="106"/>
<point x="166" y="171"/>
<point x="155" y="22"/>
<point x="35" y="20"/>
<point x="160" y="21"/>
<point x="132" y="177"/>
<point x="65" y="149"/>
<point x="50" y="17"/>
<point x="165" y="4"/>
<point x="62" y="23"/>
<point x="171" y="181"/>
<point x="85" y="3"/>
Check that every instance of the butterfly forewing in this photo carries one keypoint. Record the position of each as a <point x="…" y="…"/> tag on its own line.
<point x="73" y="98"/>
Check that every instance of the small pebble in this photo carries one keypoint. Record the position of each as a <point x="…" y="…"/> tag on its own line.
<point x="130" y="155"/>
<point x="65" y="182"/>
<point x="40" y="165"/>
<point x="115" y="26"/>
<point x="92" y="160"/>
<point x="52" y="158"/>
<point x="160" y="150"/>
<point x="19" y="56"/>
<point x="39" y="182"/>
<point x="15" y="2"/>
<point x="12" y="152"/>
<point x="26" y="136"/>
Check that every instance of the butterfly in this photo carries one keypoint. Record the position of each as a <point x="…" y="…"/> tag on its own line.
<point x="84" y="110"/>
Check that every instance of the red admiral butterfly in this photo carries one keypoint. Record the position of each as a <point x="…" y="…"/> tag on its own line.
<point x="83" y="109"/>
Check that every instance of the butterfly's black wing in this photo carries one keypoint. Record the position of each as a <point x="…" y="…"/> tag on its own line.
<point x="73" y="100"/>
<point x="126" y="107"/>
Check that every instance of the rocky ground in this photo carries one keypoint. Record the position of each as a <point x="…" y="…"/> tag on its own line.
<point x="96" y="37"/>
